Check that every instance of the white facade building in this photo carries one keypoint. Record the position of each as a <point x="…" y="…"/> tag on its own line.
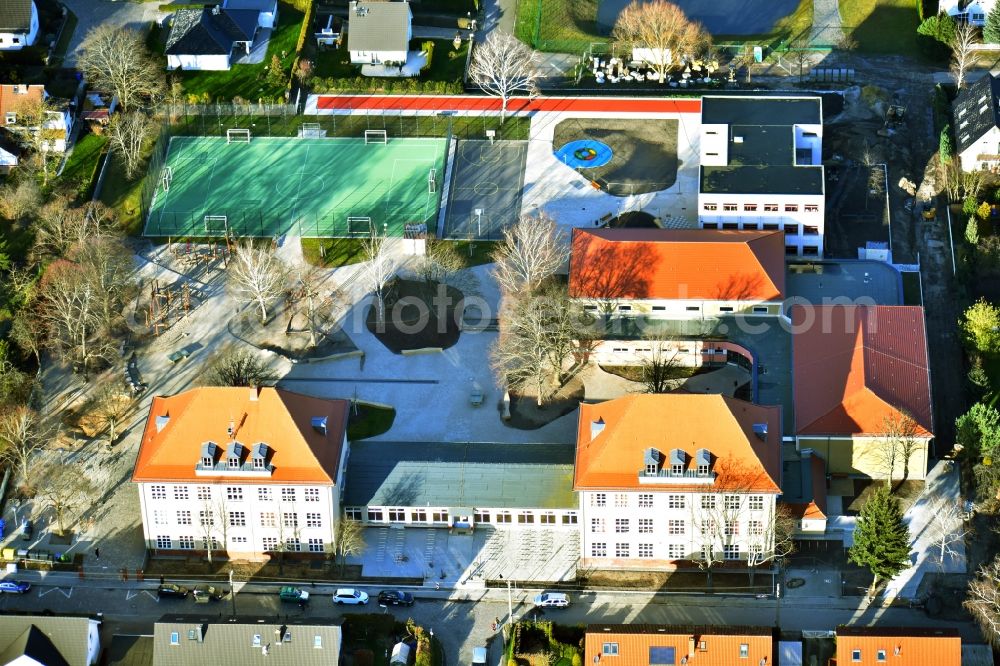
<point x="974" y="12"/>
<point x="976" y="123"/>
<point x="379" y="32"/>
<point x="762" y="168"/>
<point x="18" y="24"/>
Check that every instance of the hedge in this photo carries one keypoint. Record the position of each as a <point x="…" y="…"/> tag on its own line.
<point x="428" y="48"/>
<point x="364" y="84"/>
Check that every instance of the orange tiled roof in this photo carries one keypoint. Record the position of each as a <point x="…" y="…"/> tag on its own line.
<point x="856" y="365"/>
<point x="805" y="510"/>
<point x="709" y="646"/>
<point x="281" y="419"/>
<point x="916" y="646"/>
<point x="9" y="100"/>
<point x="699" y="264"/>
<point x="634" y="423"/>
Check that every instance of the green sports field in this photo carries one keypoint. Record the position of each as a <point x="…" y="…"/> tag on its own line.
<point x="300" y="187"/>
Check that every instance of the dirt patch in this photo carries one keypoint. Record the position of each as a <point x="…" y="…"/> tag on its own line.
<point x="288" y="331"/>
<point x="644" y="152"/>
<point x="679" y="581"/>
<point x="906" y="493"/>
<point x="525" y="414"/>
<point x="636" y="373"/>
<point x="418" y="316"/>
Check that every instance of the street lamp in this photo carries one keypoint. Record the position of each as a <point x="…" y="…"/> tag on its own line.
<point x="510" y="605"/>
<point x="479" y="220"/>
<point x="232" y="591"/>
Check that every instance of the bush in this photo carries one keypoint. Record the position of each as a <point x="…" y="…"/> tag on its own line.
<point x="970" y="205"/>
<point x="983" y="212"/>
<point x="945" y="145"/>
<point x="972" y="231"/>
<point x="941" y="28"/>
<point x="428" y="48"/>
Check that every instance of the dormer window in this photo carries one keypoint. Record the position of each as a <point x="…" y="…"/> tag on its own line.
<point x="234" y="460"/>
<point x="209" y="451"/>
<point x="677" y="470"/>
<point x="258" y="463"/>
<point x="234" y="463"/>
<point x="678" y="462"/>
<point x="258" y="456"/>
<point x="651" y="460"/>
<point x="703" y="462"/>
<point x="207" y="462"/>
<point x="651" y="469"/>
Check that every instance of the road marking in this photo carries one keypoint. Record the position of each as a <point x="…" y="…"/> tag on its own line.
<point x="131" y="594"/>
<point x="57" y="589"/>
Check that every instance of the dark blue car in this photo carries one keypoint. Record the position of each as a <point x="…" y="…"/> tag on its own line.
<point x="14" y="587"/>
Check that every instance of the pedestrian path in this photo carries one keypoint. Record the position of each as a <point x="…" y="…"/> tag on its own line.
<point x="826" y="29"/>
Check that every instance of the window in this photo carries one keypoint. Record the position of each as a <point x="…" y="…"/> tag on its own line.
<point x="526" y="518"/>
<point x="791" y="249"/>
<point x="880" y="655"/>
<point x="770" y="208"/>
<point x="731" y="226"/>
<point x="183" y="517"/>
<point x="744" y="650"/>
<point x="749" y="208"/>
<point x="185" y="542"/>
<point x="353" y="513"/>
<point x="659" y="308"/>
<point x="11" y="118"/>
<point x="621" y="500"/>
<point x="791" y="229"/>
<point x="676" y="470"/>
<point x="288" y="494"/>
<point x="621" y="550"/>
<point x="419" y="516"/>
<point x="290" y="519"/>
<point x="624" y="308"/>
<point x="710" y="207"/>
<point x="791" y="208"/>
<point x="708" y="501"/>
<point x="160" y="517"/>
<point x="675" y="527"/>
<point x="676" y="502"/>
<point x="315" y="545"/>
<point x="755" y="549"/>
<point x="810" y="250"/>
<point x="731" y="552"/>
<point x="293" y="545"/>
<point x="645" y="550"/>
<point x="163" y="542"/>
<point x="270" y="544"/>
<point x="730" y="207"/>
<point x="158" y="492"/>
<point x="312" y="494"/>
<point x="708" y="528"/>
<point x="645" y="526"/>
<point x="732" y="528"/>
<point x="599" y="499"/>
<point x="756" y="503"/>
<point x="547" y="518"/>
<point x="621" y="525"/>
<point x="757" y="309"/>
<point x="258" y="463"/>
<point x="770" y="226"/>
<point x="440" y="516"/>
<point x="315" y="520"/>
<point x="267" y="519"/>
<point x="596" y="525"/>
<point x="599" y="549"/>
<point x="504" y="517"/>
<point x="755" y="528"/>
<point x="204" y="493"/>
<point x="234" y="463"/>
<point x="317" y="641"/>
<point x="808" y="230"/>
<point x="651" y="469"/>
<point x="725" y="308"/>
<point x="481" y="516"/>
<point x="234" y="493"/>
<point x="692" y="308"/>
<point x="237" y="519"/>
<point x="206" y="519"/>
<point x="395" y="516"/>
<point x="374" y="515"/>
<point x="646" y="501"/>
<point x="675" y="551"/>
<point x="732" y="502"/>
<point x="609" y="649"/>
<point x="175" y="636"/>
<point x="264" y="494"/>
<point x="855" y="655"/>
<point x="811" y="208"/>
<point x="569" y="519"/>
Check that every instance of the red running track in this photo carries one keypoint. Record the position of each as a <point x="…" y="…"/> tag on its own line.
<point x="519" y="105"/>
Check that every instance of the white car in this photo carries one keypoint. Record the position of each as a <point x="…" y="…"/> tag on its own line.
<point x="349" y="595"/>
<point x="479" y="656"/>
<point x="552" y="600"/>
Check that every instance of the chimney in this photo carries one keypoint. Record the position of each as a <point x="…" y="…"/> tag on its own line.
<point x="596" y="428"/>
<point x="200" y="635"/>
<point x="161" y="422"/>
<point x="231" y="428"/>
<point x="760" y="429"/>
<point x="319" y="424"/>
<point x="254" y="392"/>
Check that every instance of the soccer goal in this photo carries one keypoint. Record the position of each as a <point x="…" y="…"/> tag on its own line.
<point x="311" y="131"/>
<point x="166" y="178"/>
<point x="359" y="225"/>
<point x="376" y="136"/>
<point x="237" y="136"/>
<point x="216" y="224"/>
<point x="432" y="181"/>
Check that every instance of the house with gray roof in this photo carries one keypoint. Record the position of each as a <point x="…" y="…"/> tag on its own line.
<point x="976" y="124"/>
<point x="49" y="640"/>
<point x="461" y="485"/>
<point x="378" y="33"/>
<point x="182" y="640"/>
<point x="209" y="38"/>
<point x="18" y="24"/>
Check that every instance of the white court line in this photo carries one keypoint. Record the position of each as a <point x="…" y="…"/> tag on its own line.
<point x="131" y="594"/>
<point x="57" y="589"/>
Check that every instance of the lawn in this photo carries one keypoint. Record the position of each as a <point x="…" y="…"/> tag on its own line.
<point x="81" y="166"/>
<point x="475" y="253"/>
<point x="797" y="25"/>
<point x="882" y="26"/>
<point x="333" y="252"/>
<point x="124" y="196"/>
<point x="565" y="25"/>
<point x="333" y="71"/>
<point x="252" y="82"/>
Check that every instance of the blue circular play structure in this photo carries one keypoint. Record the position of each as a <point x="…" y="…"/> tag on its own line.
<point x="584" y="154"/>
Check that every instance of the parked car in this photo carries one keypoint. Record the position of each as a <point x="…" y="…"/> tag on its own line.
<point x="478" y="656"/>
<point x="206" y="593"/>
<point x="14" y="586"/>
<point x="348" y="595"/>
<point x="172" y="591"/>
<point x="27" y="529"/>
<point x="552" y="600"/>
<point x="395" y="598"/>
<point x="293" y="595"/>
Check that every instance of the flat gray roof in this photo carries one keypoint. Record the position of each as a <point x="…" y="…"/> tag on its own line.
<point x="761" y="110"/>
<point x="822" y="282"/>
<point x="762" y="179"/>
<point x="470" y="474"/>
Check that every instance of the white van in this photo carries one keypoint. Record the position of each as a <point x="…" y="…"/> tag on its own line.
<point x="552" y="600"/>
<point x="478" y="656"/>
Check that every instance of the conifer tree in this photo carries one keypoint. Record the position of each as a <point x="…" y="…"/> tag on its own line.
<point x="881" y="539"/>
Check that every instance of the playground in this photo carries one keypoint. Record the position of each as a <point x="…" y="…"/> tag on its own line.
<point x="310" y="187"/>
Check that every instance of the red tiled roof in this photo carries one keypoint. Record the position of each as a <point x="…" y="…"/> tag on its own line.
<point x="705" y="646"/>
<point x="857" y="365"/>
<point x="903" y="646"/>
<point x="805" y="510"/>
<point x="634" y="423"/>
<point x="280" y="419"/>
<point x="10" y="100"/>
<point x="700" y="264"/>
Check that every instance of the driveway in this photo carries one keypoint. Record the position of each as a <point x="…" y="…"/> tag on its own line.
<point x="91" y="13"/>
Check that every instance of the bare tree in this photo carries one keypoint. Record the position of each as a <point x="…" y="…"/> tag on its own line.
<point x="128" y="132"/>
<point x="238" y="367"/>
<point x="66" y="492"/>
<point x="207" y="525"/>
<point x="256" y="276"/>
<point x="378" y="270"/>
<point x="896" y="445"/>
<point x="20" y="200"/>
<point x="22" y="432"/>
<point x="745" y="58"/>
<point x="61" y="225"/>
<point x="115" y="59"/>
<point x="963" y="54"/>
<point x="34" y="117"/>
<point x="348" y="540"/>
<point x="658" y="367"/>
<point x="532" y="249"/>
<point x="110" y="405"/>
<point x="770" y="538"/>
<point x="502" y="66"/>
<point x="983" y="602"/>
<point x="443" y="264"/>
<point x="108" y="268"/>
<point x="947" y="531"/>
<point x="661" y="31"/>
<point x="801" y="56"/>
<point x="310" y="280"/>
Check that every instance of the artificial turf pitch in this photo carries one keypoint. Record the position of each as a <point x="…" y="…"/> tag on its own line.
<point x="301" y="187"/>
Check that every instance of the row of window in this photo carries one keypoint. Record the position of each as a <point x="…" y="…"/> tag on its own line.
<point x="270" y="544"/>
<point x="611" y="650"/>
<point x="789" y="229"/>
<point x="235" y="493"/>
<point x="768" y="208"/>
<point x="677" y="527"/>
<point x="880" y="655"/>
<point x="674" y="551"/>
<point x="238" y="518"/>
<point x="645" y="501"/>
<point x="441" y="516"/>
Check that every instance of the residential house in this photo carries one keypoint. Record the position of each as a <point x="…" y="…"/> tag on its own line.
<point x="267" y="10"/>
<point x="976" y="123"/>
<point x="97" y="109"/>
<point x="971" y="11"/>
<point x="18" y="24"/>
<point x="8" y="160"/>
<point x="762" y="168"/>
<point x="210" y="38"/>
<point x="248" y="472"/>
<point x="49" y="640"/>
<point x="182" y="640"/>
<point x="859" y="373"/>
<point x="672" y="645"/>
<point x="17" y="110"/>
<point x="378" y="33"/>
<point x="898" y="646"/>
<point x="665" y="478"/>
<point x="461" y="485"/>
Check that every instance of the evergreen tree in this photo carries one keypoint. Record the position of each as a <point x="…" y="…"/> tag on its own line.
<point x="945" y="146"/>
<point x="972" y="231"/>
<point x="991" y="31"/>
<point x="941" y="27"/>
<point x="881" y="539"/>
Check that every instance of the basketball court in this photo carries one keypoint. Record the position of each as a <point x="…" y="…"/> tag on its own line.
<point x="256" y="186"/>
<point x="486" y="185"/>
